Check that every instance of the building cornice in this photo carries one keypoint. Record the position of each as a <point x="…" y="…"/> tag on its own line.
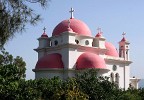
<point x="75" y="46"/>
<point x="117" y="60"/>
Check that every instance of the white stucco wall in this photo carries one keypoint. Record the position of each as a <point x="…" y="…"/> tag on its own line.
<point x="49" y="74"/>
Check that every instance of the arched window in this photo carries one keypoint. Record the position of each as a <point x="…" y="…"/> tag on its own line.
<point x="112" y="77"/>
<point x="117" y="79"/>
<point x="56" y="42"/>
<point x="50" y="43"/>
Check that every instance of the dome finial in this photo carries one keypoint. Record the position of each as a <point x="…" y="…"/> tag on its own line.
<point x="69" y="29"/>
<point x="44" y="33"/>
<point x="44" y="29"/>
<point x="72" y="11"/>
<point x="124" y="33"/>
<point x="124" y="39"/>
<point x="69" y="23"/>
<point x="99" y="30"/>
<point x="99" y="34"/>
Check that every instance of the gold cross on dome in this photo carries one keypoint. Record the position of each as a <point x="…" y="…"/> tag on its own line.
<point x="72" y="11"/>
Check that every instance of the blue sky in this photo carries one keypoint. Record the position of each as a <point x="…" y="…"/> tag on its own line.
<point x="113" y="16"/>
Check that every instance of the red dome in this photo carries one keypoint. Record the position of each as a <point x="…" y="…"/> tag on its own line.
<point x="90" y="60"/>
<point x="111" y="50"/>
<point x="50" y="61"/>
<point x="123" y="39"/>
<point x="98" y="35"/>
<point x="44" y="35"/>
<point x="76" y="25"/>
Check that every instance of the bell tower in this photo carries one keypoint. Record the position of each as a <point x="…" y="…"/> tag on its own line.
<point x="124" y="48"/>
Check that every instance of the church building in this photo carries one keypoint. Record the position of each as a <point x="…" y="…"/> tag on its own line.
<point x="72" y="48"/>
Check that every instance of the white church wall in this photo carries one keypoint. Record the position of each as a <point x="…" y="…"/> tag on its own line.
<point x="99" y="42"/>
<point x="127" y="76"/>
<point x="65" y="57"/>
<point x="84" y="40"/>
<point x="40" y="54"/>
<point x="56" y="40"/>
<point x="49" y="74"/>
<point x="119" y="70"/>
<point x="73" y="56"/>
<point x="72" y="39"/>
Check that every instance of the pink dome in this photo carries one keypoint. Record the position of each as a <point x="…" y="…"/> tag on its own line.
<point x="90" y="60"/>
<point x="76" y="25"/>
<point x="111" y="50"/>
<point x="50" y="61"/>
<point x="44" y="35"/>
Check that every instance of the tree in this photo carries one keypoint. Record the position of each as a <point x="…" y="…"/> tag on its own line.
<point x="69" y="90"/>
<point x="97" y="87"/>
<point x="14" y="15"/>
<point x="12" y="70"/>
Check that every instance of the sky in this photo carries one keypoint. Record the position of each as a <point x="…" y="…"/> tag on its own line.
<point x="113" y="16"/>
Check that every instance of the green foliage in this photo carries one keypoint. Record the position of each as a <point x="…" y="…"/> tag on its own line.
<point x="11" y="68"/>
<point x="87" y="85"/>
<point x="96" y="87"/>
<point x="11" y="71"/>
<point x="130" y="94"/>
<point x="14" y="15"/>
<point x="69" y="91"/>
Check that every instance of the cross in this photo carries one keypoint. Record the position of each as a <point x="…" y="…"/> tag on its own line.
<point x="44" y="29"/>
<point x="99" y="30"/>
<point x="71" y="11"/>
<point x="124" y="33"/>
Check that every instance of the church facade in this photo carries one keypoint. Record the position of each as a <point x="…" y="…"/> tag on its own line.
<point x="72" y="48"/>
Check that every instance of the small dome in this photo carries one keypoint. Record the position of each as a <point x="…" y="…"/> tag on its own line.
<point x="44" y="35"/>
<point x="76" y="25"/>
<point x="50" y="61"/>
<point x="111" y="50"/>
<point x="123" y="39"/>
<point x="99" y="35"/>
<point x="90" y="60"/>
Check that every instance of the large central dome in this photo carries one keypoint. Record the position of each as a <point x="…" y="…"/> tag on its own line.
<point x="76" y="25"/>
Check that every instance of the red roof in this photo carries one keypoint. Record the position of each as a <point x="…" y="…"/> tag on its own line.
<point x="123" y="39"/>
<point x="90" y="60"/>
<point x="98" y="35"/>
<point x="76" y="25"/>
<point x="44" y="35"/>
<point x="50" y="61"/>
<point x="111" y="50"/>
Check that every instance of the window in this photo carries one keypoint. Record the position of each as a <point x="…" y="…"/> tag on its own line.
<point x="112" y="77"/>
<point x="114" y="68"/>
<point x="77" y="41"/>
<point x="50" y="43"/>
<point x="86" y="42"/>
<point x="117" y="79"/>
<point x="56" y="42"/>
